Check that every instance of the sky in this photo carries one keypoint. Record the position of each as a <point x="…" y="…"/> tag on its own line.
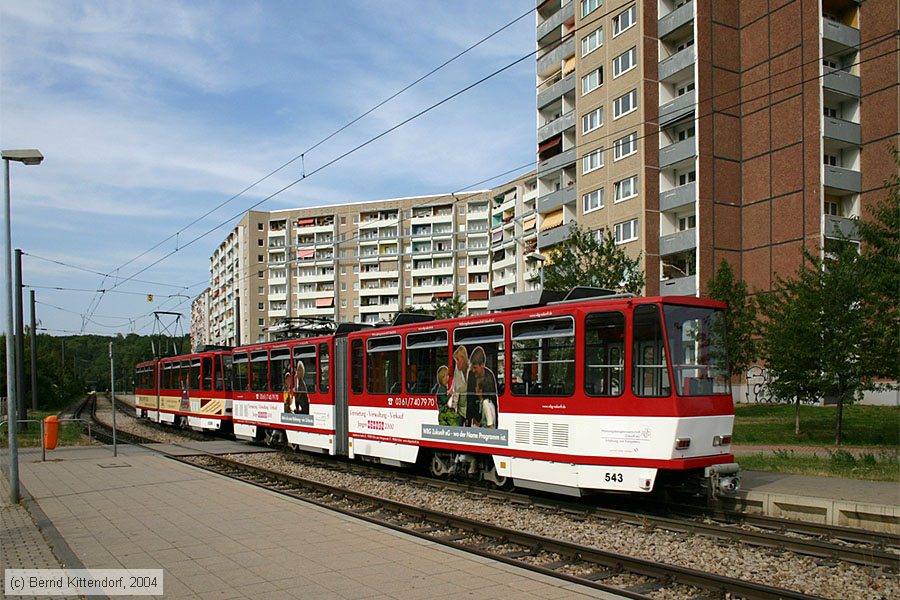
<point x="151" y="114"/>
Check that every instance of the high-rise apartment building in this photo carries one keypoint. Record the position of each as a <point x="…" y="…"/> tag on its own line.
<point x="200" y="334"/>
<point x="364" y="262"/>
<point x="702" y="130"/>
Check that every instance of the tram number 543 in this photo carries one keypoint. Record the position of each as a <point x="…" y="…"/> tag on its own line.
<point x="615" y="477"/>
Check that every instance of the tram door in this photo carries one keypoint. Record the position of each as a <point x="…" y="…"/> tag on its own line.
<point x="650" y="373"/>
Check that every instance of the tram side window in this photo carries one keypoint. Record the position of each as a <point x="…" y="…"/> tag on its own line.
<point x="224" y="374"/>
<point x="543" y="357"/>
<point x="240" y="368"/>
<point x="194" y="371"/>
<point x="383" y="365"/>
<point x="207" y="368"/>
<point x="604" y="354"/>
<point x="479" y="374"/>
<point x="259" y="371"/>
<point x="650" y="375"/>
<point x="280" y="366"/>
<point x="306" y="356"/>
<point x="324" y="368"/>
<point x="165" y="382"/>
<point x="356" y="366"/>
<point x="425" y="354"/>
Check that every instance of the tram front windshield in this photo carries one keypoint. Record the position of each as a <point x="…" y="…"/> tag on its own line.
<point x="697" y="350"/>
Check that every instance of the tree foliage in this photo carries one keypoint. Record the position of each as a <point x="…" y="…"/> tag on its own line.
<point x="587" y="258"/>
<point x="818" y="331"/>
<point x="448" y="308"/>
<point x="68" y="365"/>
<point x="740" y="317"/>
<point x="880" y="235"/>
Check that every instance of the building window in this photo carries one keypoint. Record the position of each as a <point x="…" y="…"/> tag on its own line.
<point x="625" y="62"/>
<point x="591" y="41"/>
<point x="259" y="242"/>
<point x="625" y="146"/>
<point x="625" y="104"/>
<point x="356" y="268"/>
<point x="343" y="286"/>
<point x="833" y="209"/>
<point x="684" y="89"/>
<point x="832" y="160"/>
<point x="592" y="81"/>
<point x="685" y="44"/>
<point x="685" y="178"/>
<point x="343" y="304"/>
<point x="592" y="161"/>
<point x="262" y="306"/>
<point x="687" y="222"/>
<point x="592" y="120"/>
<point x="686" y="133"/>
<point x="261" y="322"/>
<point x="624" y="20"/>
<point x="259" y="258"/>
<point x="592" y="201"/>
<point x="627" y="188"/>
<point x="260" y="290"/>
<point x="589" y="6"/>
<point x="262" y="274"/>
<point x="627" y="231"/>
<point x="260" y="227"/>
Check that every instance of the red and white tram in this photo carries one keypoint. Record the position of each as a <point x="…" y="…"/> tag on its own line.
<point x="615" y="393"/>
<point x="592" y="395"/>
<point x="192" y="390"/>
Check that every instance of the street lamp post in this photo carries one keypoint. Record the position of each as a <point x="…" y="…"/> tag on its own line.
<point x="28" y="157"/>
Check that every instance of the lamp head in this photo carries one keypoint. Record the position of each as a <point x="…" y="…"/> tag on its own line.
<point x="27" y="156"/>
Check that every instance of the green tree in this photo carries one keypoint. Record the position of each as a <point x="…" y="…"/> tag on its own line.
<point x="880" y="236"/>
<point x="588" y="258"/>
<point x="448" y="308"/>
<point x="817" y="331"/>
<point x="740" y="317"/>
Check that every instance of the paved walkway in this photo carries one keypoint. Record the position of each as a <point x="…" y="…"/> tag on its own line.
<point x="218" y="538"/>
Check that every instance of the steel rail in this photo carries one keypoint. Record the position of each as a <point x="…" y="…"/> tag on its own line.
<point x="606" y="563"/>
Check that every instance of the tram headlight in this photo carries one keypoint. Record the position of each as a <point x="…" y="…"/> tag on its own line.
<point x="722" y="440"/>
<point x="682" y="443"/>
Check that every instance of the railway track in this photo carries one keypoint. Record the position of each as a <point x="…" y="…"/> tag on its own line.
<point x="619" y="574"/>
<point x="829" y="546"/>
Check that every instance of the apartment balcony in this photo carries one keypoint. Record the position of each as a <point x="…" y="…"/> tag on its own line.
<point x="377" y="274"/>
<point x="839" y="178"/>
<point x="563" y="159"/>
<point x="675" y="65"/>
<point x="678" y="108"/>
<point x="277" y="297"/>
<point x="678" y="196"/>
<point x="553" y="200"/>
<point x="551" y="237"/>
<point x="558" y="125"/>
<point x="675" y="243"/>
<point x="680" y="286"/>
<point x="841" y="228"/>
<point x="844" y="36"/>
<point x="551" y="62"/>
<point x="505" y="280"/>
<point x="479" y="268"/>
<point x="567" y="11"/>
<point x="432" y="271"/>
<point x="842" y="131"/>
<point x="841" y="82"/>
<point x="377" y="308"/>
<point x="677" y="152"/>
<point x="675" y="20"/>
<point x="278" y="313"/>
<point x="479" y="286"/>
<point x="508" y="261"/>
<point x="556" y="90"/>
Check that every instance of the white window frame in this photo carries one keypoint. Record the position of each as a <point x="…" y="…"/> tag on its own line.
<point x="617" y="104"/>
<point x="633" y="189"/>
<point x="595" y="196"/>
<point x="595" y="116"/>
<point x="589" y="6"/>
<point x="633" y="227"/>
<point x="631" y="140"/>
<point x="631" y="53"/>
<point x="598" y="72"/>
<point x="617" y="20"/>
<point x="595" y="36"/>
<point x="592" y="161"/>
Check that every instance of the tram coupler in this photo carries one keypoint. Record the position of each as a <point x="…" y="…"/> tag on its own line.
<point x="723" y="479"/>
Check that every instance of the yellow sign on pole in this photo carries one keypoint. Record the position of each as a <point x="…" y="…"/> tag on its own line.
<point x="149" y="297"/>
